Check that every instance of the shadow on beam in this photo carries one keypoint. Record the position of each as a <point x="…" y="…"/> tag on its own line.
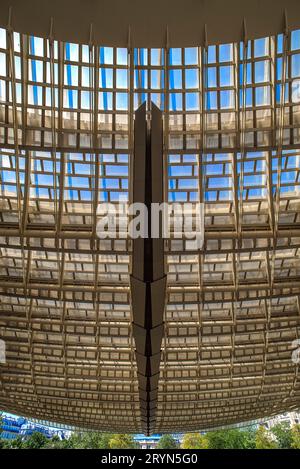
<point x="148" y="279"/>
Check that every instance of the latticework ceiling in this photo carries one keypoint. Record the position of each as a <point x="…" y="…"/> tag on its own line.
<point x="231" y="117"/>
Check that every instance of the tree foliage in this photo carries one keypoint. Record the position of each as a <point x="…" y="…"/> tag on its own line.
<point x="167" y="442"/>
<point x="36" y="441"/>
<point x="88" y="440"/>
<point x="283" y="435"/>
<point x="194" y="441"/>
<point x="122" y="441"/>
<point x="17" y="443"/>
<point x="264" y="439"/>
<point x="295" y="432"/>
<point x="231" y="439"/>
<point x="280" y="436"/>
<point x="77" y="440"/>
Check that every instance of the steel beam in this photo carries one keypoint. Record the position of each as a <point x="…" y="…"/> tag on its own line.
<point x="148" y="280"/>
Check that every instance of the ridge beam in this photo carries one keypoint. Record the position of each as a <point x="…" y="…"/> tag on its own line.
<point x="148" y="279"/>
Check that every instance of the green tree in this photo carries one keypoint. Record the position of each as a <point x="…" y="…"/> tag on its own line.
<point x="264" y="440"/>
<point x="92" y="440"/>
<point x="122" y="441"/>
<point x="36" y="441"/>
<point x="283" y="434"/>
<point x="231" y="439"/>
<point x="194" y="441"/>
<point x="87" y="440"/>
<point x="56" y="443"/>
<point x="167" y="442"/>
<point x="16" y="443"/>
<point x="295" y="432"/>
<point x="104" y="440"/>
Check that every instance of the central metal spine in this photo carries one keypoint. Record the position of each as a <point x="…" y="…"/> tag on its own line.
<point x="148" y="279"/>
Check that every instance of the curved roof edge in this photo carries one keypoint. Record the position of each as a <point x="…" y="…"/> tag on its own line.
<point x="154" y="23"/>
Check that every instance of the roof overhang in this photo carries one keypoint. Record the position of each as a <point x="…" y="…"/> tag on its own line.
<point x="151" y="24"/>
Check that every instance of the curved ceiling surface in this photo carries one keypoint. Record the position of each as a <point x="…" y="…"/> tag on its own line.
<point x="231" y="115"/>
<point x="151" y="24"/>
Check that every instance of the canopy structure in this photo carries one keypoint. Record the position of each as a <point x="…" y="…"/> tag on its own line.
<point x="230" y="140"/>
<point x="167" y="23"/>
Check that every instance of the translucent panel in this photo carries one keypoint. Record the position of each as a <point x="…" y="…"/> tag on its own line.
<point x="231" y="137"/>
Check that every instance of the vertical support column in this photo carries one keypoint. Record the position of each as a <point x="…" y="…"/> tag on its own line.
<point x="148" y="279"/>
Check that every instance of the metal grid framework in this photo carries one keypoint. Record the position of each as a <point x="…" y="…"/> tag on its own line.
<point x="232" y="142"/>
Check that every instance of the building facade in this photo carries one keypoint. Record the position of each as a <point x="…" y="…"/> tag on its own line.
<point x="290" y="418"/>
<point x="14" y="426"/>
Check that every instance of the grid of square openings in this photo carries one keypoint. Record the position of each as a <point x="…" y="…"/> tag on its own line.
<point x="98" y="88"/>
<point x="90" y="93"/>
<point x="81" y="178"/>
